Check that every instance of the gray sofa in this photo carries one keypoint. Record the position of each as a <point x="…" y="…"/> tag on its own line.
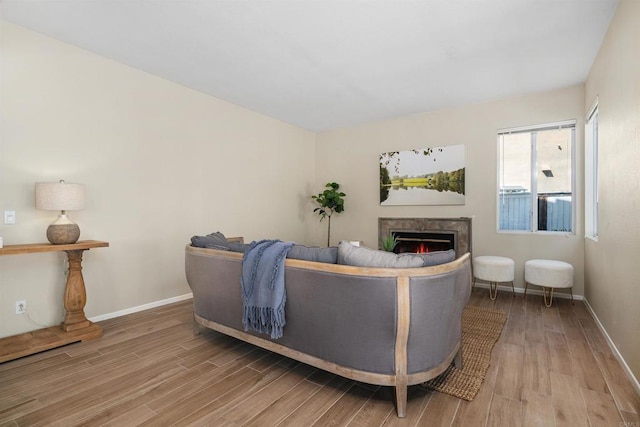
<point x="386" y="326"/>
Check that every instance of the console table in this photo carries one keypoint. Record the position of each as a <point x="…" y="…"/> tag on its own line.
<point x="75" y="326"/>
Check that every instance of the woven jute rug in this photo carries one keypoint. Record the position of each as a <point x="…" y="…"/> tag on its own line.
<point x="481" y="328"/>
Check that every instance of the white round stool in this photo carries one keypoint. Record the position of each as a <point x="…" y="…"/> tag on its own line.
<point x="548" y="274"/>
<point x="494" y="269"/>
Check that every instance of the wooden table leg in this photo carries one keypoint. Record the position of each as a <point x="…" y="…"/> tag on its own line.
<point x="75" y="296"/>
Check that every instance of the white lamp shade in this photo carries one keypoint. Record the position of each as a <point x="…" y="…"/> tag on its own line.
<point x="59" y="196"/>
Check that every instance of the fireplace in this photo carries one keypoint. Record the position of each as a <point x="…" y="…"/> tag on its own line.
<point x="428" y="234"/>
<point x="418" y="242"/>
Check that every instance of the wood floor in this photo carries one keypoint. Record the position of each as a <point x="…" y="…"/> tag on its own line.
<point x="551" y="367"/>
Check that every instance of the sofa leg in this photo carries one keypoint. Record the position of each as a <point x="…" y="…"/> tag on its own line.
<point x="197" y="328"/>
<point x="401" y="400"/>
<point x="457" y="360"/>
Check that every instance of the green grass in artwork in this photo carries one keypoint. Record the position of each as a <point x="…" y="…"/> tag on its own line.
<point x="412" y="182"/>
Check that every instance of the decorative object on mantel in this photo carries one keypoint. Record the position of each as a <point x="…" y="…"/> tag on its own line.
<point x="61" y="196"/>
<point x="426" y="176"/>
<point x="331" y="201"/>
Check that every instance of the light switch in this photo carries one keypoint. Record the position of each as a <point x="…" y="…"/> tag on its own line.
<point x="9" y="217"/>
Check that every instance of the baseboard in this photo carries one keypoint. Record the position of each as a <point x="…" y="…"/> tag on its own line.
<point x="614" y="349"/>
<point x="507" y="288"/>
<point x="141" y="308"/>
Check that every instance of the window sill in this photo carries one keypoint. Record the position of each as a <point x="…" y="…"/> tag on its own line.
<point x="538" y="233"/>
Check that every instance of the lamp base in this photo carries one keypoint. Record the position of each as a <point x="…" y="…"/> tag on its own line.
<point x="63" y="231"/>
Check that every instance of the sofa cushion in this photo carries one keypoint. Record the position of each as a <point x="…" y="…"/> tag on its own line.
<point x="438" y="257"/>
<point x="314" y="253"/>
<point x="366" y="257"/>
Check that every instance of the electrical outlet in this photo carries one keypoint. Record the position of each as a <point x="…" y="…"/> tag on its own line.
<point x="21" y="307"/>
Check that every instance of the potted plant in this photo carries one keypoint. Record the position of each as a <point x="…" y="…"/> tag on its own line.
<point x="331" y="201"/>
<point x="389" y="242"/>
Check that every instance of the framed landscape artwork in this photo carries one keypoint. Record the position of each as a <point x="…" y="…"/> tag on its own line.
<point x="428" y="176"/>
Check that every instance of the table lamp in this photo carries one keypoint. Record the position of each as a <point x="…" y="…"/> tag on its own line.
<point x="60" y="196"/>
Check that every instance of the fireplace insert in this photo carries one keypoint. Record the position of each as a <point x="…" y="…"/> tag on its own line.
<point x="420" y="242"/>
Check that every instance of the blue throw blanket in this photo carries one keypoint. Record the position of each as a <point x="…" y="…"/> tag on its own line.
<point x="263" y="291"/>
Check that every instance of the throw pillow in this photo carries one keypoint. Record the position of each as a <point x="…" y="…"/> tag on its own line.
<point x="365" y="257"/>
<point x="211" y="241"/>
<point x="307" y="253"/>
<point x="218" y="241"/>
<point x="438" y="257"/>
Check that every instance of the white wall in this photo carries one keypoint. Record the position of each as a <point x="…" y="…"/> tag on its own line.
<point x="160" y="162"/>
<point x="350" y="157"/>
<point x="612" y="270"/>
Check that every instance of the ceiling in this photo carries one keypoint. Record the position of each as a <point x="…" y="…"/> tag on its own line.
<point x="328" y="64"/>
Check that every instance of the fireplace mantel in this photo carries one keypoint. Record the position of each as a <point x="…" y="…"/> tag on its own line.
<point x="460" y="227"/>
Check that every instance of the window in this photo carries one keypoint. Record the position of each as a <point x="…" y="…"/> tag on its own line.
<point x="535" y="183"/>
<point x="591" y="174"/>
